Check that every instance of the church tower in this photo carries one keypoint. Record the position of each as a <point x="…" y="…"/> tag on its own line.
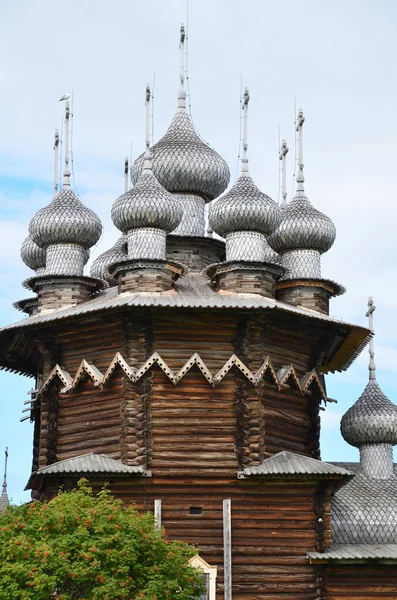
<point x="187" y="370"/>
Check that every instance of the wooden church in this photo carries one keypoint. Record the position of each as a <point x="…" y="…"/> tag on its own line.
<point x="187" y="370"/>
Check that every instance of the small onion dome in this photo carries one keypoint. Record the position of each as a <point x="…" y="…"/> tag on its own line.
<point x="147" y="204"/>
<point x="371" y="420"/>
<point x="116" y="253"/>
<point x="32" y="255"/>
<point x="184" y="163"/>
<point x="244" y="208"/>
<point x="303" y="227"/>
<point x="65" y="221"/>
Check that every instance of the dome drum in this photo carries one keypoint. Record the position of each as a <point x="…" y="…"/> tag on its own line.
<point x="193" y="218"/>
<point x="146" y="243"/>
<point x="377" y="460"/>
<point x="66" y="259"/>
<point x="249" y="246"/>
<point x="301" y="264"/>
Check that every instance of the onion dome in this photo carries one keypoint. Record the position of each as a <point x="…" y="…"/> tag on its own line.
<point x="65" y="228"/>
<point x="302" y="226"/>
<point x="116" y="253"/>
<point x="372" y="419"/>
<point x="245" y="215"/>
<point x="65" y="221"/>
<point x="33" y="256"/>
<point x="182" y="161"/>
<point x="244" y="208"/>
<point x="147" y="212"/>
<point x="147" y="204"/>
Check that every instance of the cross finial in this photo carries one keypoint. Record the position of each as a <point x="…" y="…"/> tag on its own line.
<point x="5" y="470"/>
<point x="147" y="162"/>
<point x="182" y="94"/>
<point x="56" y="144"/>
<point x="126" y="174"/>
<point x="66" y="171"/>
<point x="244" y="160"/>
<point x="282" y="156"/>
<point x="369" y="313"/>
<point x="300" y="119"/>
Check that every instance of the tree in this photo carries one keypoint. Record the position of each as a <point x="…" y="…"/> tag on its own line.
<point x="81" y="546"/>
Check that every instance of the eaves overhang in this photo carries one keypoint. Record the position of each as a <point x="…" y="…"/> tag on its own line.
<point x="192" y="292"/>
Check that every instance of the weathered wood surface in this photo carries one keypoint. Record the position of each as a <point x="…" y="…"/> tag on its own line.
<point x="194" y="437"/>
<point x="361" y="582"/>
<point x="272" y="527"/>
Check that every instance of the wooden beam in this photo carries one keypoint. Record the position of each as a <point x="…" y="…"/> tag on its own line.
<point x="227" y="549"/>
<point x="157" y="514"/>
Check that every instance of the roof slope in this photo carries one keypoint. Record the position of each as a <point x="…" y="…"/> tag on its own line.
<point x="364" y="510"/>
<point x="87" y="464"/>
<point x="289" y="464"/>
<point x="345" y="552"/>
<point x="194" y="291"/>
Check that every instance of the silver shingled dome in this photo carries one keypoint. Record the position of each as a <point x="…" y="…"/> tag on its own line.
<point x="116" y="253"/>
<point x="32" y="255"/>
<point x="184" y="163"/>
<point x="65" y="221"/>
<point x="147" y="204"/>
<point x="303" y="228"/>
<point x="244" y="208"/>
<point x="372" y="419"/>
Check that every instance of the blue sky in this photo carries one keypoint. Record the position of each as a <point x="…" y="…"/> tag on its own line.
<point x="336" y="57"/>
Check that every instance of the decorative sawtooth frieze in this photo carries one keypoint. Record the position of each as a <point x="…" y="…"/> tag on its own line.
<point x="61" y="374"/>
<point x="312" y="378"/>
<point x="282" y="378"/>
<point x="287" y="373"/>
<point x="85" y="369"/>
<point x="120" y="361"/>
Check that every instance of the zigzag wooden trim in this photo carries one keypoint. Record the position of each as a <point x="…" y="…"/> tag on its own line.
<point x="85" y="368"/>
<point x="118" y="360"/>
<point x="282" y="378"/>
<point x="312" y="378"/>
<point x="195" y="359"/>
<point x="57" y="371"/>
<point x="286" y="373"/>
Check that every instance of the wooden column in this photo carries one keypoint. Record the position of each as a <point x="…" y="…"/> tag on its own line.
<point x="157" y="514"/>
<point x="227" y="549"/>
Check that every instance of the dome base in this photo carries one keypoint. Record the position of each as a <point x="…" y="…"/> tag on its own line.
<point x="146" y="275"/>
<point x="55" y="292"/>
<point x="313" y="294"/>
<point x="244" y="277"/>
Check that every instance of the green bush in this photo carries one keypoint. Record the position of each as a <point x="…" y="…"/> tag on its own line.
<point x="84" y="546"/>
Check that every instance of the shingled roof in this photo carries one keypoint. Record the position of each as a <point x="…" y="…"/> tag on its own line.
<point x="354" y="552"/>
<point x="289" y="464"/>
<point x="364" y="510"/>
<point x="87" y="464"/>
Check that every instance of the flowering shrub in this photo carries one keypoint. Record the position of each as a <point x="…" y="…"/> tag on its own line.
<point x="81" y="546"/>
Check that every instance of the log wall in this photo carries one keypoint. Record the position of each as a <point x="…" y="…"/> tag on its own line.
<point x="361" y="582"/>
<point x="273" y="526"/>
